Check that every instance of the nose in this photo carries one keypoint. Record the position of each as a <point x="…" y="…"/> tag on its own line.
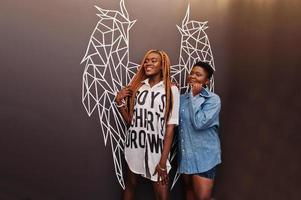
<point x="192" y="75"/>
<point x="147" y="63"/>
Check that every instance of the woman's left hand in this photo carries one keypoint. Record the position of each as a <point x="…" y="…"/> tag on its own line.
<point x="162" y="174"/>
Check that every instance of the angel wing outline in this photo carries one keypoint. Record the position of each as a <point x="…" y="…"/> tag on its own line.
<point x="108" y="68"/>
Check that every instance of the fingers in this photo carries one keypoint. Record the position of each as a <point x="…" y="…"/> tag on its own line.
<point x="163" y="178"/>
<point x="158" y="177"/>
<point x="125" y="92"/>
<point x="196" y="87"/>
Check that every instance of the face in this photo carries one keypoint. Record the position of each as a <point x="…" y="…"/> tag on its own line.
<point x="152" y="64"/>
<point x="198" y="75"/>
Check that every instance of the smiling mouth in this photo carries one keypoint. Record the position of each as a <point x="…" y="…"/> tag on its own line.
<point x="148" y="68"/>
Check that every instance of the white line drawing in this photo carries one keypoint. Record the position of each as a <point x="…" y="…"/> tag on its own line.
<point x="108" y="69"/>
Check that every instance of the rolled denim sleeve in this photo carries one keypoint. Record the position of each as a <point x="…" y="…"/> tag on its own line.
<point x="206" y="115"/>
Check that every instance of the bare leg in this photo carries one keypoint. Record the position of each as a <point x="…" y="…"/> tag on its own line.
<point x="202" y="187"/>
<point x="187" y="179"/>
<point x="130" y="185"/>
<point x="161" y="191"/>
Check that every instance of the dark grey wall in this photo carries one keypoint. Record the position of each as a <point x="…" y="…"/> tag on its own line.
<point x="51" y="149"/>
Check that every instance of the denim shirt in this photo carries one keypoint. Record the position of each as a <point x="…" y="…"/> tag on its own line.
<point x="199" y="144"/>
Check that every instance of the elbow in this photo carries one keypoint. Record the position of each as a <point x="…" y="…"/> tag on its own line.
<point x="198" y="126"/>
<point x="201" y="125"/>
<point x="169" y="130"/>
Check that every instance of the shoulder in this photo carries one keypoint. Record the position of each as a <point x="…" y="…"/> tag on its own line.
<point x="175" y="90"/>
<point x="174" y="87"/>
<point x="214" y="98"/>
<point x="142" y="88"/>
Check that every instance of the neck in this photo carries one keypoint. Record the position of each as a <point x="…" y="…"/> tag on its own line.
<point x="153" y="80"/>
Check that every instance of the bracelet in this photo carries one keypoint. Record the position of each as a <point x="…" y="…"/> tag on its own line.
<point x="163" y="169"/>
<point x="119" y="106"/>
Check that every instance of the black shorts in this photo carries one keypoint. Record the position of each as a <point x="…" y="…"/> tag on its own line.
<point x="208" y="174"/>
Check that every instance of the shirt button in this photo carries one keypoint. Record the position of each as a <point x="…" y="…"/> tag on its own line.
<point x="183" y="150"/>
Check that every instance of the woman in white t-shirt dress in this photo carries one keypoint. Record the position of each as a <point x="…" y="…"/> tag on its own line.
<point x="150" y="107"/>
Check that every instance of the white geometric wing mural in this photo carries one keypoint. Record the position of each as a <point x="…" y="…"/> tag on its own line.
<point x="108" y="69"/>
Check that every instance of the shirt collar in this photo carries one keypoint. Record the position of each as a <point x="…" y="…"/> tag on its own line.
<point x="204" y="93"/>
<point x="146" y="81"/>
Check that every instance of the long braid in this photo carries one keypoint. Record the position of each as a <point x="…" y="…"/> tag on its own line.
<point x="167" y="83"/>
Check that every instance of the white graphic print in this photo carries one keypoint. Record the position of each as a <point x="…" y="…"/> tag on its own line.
<point x="108" y="69"/>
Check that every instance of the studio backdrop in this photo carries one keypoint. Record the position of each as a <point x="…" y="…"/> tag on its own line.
<point x="62" y="63"/>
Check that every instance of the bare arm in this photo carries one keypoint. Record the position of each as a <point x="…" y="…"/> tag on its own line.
<point x="168" y="139"/>
<point x="161" y="168"/>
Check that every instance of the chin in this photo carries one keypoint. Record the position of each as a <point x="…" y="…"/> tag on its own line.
<point x="150" y="73"/>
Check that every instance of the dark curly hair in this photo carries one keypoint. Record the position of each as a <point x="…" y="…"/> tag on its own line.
<point x="206" y="66"/>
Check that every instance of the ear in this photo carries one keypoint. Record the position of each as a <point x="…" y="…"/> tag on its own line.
<point x="207" y="82"/>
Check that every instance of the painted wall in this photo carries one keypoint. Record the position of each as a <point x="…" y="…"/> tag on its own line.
<point x="51" y="149"/>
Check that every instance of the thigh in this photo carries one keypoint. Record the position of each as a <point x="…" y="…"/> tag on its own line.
<point x="161" y="191"/>
<point x="131" y="177"/>
<point x="130" y="185"/>
<point x="187" y="180"/>
<point x="202" y="187"/>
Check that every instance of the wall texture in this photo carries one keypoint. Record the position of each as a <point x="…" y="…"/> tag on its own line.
<point x="50" y="148"/>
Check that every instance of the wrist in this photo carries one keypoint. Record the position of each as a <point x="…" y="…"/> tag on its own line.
<point x="162" y="168"/>
<point x="162" y="163"/>
<point x="118" y="101"/>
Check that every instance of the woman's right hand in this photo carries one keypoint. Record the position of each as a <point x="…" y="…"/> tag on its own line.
<point x="196" y="88"/>
<point x="122" y="94"/>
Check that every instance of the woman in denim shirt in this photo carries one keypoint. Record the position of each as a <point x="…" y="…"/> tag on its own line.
<point x="199" y="144"/>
